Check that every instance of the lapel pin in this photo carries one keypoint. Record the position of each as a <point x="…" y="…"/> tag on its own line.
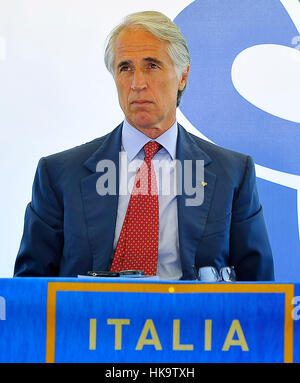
<point x="204" y="183"/>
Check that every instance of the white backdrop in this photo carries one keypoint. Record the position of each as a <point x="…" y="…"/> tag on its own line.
<point x="55" y="92"/>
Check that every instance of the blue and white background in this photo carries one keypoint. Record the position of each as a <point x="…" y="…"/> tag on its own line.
<point x="243" y="94"/>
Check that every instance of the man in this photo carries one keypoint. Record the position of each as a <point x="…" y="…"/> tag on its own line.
<point x="72" y="226"/>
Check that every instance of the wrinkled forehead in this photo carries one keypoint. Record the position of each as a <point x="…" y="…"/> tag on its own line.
<point x="138" y="43"/>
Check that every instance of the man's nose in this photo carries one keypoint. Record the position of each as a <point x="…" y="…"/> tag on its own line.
<point x="138" y="80"/>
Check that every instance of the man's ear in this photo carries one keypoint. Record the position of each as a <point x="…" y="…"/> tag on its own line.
<point x="184" y="78"/>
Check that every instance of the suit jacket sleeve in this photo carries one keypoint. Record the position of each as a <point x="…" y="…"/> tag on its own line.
<point x="42" y="242"/>
<point x="250" y="250"/>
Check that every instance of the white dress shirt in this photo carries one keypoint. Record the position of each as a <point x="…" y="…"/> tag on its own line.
<point x="133" y="141"/>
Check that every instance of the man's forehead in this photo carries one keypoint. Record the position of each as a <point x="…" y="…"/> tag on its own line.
<point x="137" y="40"/>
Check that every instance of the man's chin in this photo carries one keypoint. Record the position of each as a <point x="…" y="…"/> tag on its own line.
<point x="142" y="122"/>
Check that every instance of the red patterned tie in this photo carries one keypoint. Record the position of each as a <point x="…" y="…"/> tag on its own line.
<point x="137" y="247"/>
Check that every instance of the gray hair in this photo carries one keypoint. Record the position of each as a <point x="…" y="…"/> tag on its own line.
<point x="162" y="28"/>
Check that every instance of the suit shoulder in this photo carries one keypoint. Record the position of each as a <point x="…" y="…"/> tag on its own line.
<point x="68" y="166"/>
<point x="228" y="165"/>
<point x="77" y="153"/>
<point x="219" y="153"/>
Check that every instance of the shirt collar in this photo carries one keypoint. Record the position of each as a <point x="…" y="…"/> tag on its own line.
<point x="133" y="140"/>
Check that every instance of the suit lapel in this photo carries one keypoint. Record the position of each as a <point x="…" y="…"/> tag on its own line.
<point x="101" y="210"/>
<point x="192" y="219"/>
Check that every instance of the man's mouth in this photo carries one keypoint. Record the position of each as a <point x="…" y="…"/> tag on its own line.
<point x="141" y="102"/>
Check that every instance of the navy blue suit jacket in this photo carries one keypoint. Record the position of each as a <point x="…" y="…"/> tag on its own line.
<point x="69" y="228"/>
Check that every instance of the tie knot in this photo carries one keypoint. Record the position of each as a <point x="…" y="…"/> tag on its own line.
<point x="151" y="148"/>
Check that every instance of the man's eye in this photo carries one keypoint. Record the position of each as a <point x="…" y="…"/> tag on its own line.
<point x="153" y="66"/>
<point x="124" y="68"/>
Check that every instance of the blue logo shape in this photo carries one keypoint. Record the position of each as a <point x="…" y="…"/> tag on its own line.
<point x="217" y="32"/>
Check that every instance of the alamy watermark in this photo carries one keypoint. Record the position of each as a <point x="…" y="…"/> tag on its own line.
<point x="296" y="309"/>
<point x="2" y="308"/>
<point x="295" y="42"/>
<point x="174" y="178"/>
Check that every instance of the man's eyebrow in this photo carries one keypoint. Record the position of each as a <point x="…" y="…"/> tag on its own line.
<point x="147" y="59"/>
<point x="125" y="62"/>
<point x="153" y="60"/>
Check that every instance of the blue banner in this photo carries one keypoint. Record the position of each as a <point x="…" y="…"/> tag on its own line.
<point x="70" y="320"/>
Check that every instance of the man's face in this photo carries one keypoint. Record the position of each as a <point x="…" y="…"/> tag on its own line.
<point x="146" y="81"/>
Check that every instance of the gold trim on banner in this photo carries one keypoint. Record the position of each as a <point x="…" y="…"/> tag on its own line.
<point x="140" y="287"/>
